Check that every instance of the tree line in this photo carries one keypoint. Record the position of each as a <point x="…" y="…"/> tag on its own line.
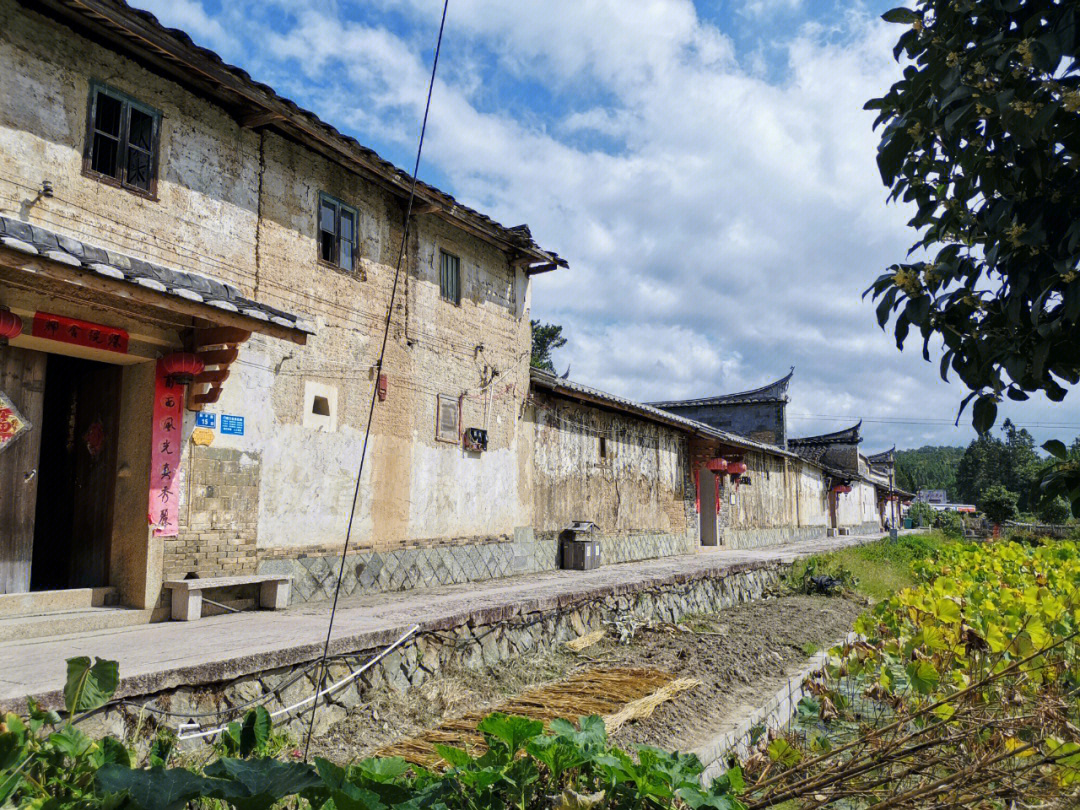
<point x="984" y="469"/>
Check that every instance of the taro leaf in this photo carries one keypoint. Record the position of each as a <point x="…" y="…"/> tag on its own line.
<point x="156" y="788"/>
<point x="356" y="798"/>
<point x="457" y="757"/>
<point x="923" y="677"/>
<point x="160" y="750"/>
<point x="257" y="784"/>
<point x="780" y="750"/>
<point x="40" y="715"/>
<point x="513" y="731"/>
<point x="255" y="733"/>
<point x="89" y="687"/>
<point x="697" y="799"/>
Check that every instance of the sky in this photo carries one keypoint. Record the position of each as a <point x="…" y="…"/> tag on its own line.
<point x="705" y="167"/>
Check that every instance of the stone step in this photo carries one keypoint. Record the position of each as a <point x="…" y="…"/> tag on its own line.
<point x="61" y="623"/>
<point x="35" y="603"/>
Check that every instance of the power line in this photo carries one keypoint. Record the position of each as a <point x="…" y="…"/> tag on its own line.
<point x="375" y="388"/>
<point x="892" y="420"/>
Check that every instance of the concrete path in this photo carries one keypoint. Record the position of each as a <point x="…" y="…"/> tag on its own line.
<point x="168" y="654"/>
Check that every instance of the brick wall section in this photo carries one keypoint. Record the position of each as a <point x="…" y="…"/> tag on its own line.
<point x="219" y="520"/>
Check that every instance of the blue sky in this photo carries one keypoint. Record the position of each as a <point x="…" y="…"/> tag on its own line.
<point x="706" y="168"/>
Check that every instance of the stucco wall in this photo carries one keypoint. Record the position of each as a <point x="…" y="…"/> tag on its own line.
<point x="859" y="507"/>
<point x="640" y="488"/>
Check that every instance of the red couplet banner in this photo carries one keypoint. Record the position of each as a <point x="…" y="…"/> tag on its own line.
<point x="165" y="455"/>
<point x="79" y="333"/>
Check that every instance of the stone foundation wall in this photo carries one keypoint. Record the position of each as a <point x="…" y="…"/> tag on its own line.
<point x="478" y="641"/>
<point x="759" y="538"/>
<point x="314" y="575"/>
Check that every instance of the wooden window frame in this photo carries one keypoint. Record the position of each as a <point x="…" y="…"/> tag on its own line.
<point x="339" y="206"/>
<point x="443" y="256"/>
<point x="449" y="401"/>
<point x="127" y="104"/>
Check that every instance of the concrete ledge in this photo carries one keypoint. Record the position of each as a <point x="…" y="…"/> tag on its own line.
<point x="741" y="538"/>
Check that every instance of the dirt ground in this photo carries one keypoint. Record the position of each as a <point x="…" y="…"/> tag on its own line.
<point x="742" y="656"/>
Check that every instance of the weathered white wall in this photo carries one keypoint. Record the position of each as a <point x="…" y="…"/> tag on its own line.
<point x="859" y="506"/>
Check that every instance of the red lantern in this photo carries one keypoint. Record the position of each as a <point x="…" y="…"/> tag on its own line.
<point x="736" y="468"/>
<point x="10" y="325"/>
<point x="182" y="367"/>
<point x="716" y="465"/>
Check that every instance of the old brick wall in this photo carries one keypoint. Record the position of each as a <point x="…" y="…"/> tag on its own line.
<point x="241" y="206"/>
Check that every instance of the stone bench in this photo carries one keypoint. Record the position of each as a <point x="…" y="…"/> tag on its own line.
<point x="187" y="594"/>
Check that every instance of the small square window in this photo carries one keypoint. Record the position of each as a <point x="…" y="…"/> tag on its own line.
<point x="447" y="419"/>
<point x="121" y="140"/>
<point x="450" y="277"/>
<point x="337" y="233"/>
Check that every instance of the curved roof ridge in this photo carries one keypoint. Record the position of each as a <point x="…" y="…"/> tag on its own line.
<point x="776" y="390"/>
<point x="851" y="434"/>
<point x="883" y="456"/>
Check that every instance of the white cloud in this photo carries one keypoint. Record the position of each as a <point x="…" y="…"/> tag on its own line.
<point x="726" y="230"/>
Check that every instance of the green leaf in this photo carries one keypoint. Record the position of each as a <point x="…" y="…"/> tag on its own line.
<point x="156" y="788"/>
<point x="259" y="783"/>
<point x="89" y="687"/>
<point x="901" y="15"/>
<point x="71" y="741"/>
<point x="457" y="757"/>
<point x="923" y="677"/>
<point x="780" y="750"/>
<point x="513" y="731"/>
<point x="1057" y="449"/>
<point x="383" y="769"/>
<point x="255" y="733"/>
<point x="984" y="414"/>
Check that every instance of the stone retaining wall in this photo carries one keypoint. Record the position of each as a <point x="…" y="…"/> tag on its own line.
<point x="448" y="563"/>
<point x="479" y="641"/>
<point x="759" y="538"/>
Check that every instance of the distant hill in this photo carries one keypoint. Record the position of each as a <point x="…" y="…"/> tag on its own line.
<point x="929" y="468"/>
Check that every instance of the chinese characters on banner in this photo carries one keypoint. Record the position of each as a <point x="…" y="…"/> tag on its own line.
<point x="79" y="333"/>
<point x="165" y="455"/>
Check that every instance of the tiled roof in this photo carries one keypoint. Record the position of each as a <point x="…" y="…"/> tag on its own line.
<point x="547" y="380"/>
<point x="170" y="50"/>
<point x="189" y="286"/>
<point x="849" y="435"/>
<point x="773" y="392"/>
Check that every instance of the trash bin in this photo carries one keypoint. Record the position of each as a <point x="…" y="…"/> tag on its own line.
<point x="907" y="523"/>
<point x="579" y="551"/>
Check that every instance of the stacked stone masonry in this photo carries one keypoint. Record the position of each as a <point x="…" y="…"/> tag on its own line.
<point x="473" y="643"/>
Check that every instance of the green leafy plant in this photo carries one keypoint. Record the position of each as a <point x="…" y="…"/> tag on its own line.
<point x="998" y="504"/>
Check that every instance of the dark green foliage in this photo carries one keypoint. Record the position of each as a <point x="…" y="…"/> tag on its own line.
<point x="1012" y="463"/>
<point x="546" y="337"/>
<point x="928" y="468"/>
<point x="921" y="514"/>
<point x="950" y="523"/>
<point x="981" y="135"/>
<point x="49" y="764"/>
<point x="1054" y="510"/>
<point x="998" y="504"/>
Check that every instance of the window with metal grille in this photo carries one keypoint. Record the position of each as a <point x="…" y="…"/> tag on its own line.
<point x="122" y="140"/>
<point x="450" y="276"/>
<point x="337" y="232"/>
<point x="447" y="419"/>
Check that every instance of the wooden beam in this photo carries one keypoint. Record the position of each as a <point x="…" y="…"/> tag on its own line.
<point x="260" y="118"/>
<point x="212" y="376"/>
<point x="534" y="269"/>
<point x="219" y="357"/>
<point x="124" y="290"/>
<point x="221" y="335"/>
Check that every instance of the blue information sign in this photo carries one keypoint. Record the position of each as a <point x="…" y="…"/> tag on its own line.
<point x="206" y="420"/>
<point x="233" y="425"/>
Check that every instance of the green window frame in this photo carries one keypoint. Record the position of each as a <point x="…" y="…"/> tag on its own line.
<point x="337" y="224"/>
<point x="450" y="277"/>
<point x="122" y="140"/>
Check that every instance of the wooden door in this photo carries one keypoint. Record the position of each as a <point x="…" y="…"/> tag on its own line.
<point x="22" y="379"/>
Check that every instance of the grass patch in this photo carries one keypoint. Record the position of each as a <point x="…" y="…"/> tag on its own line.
<point x="876" y="570"/>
